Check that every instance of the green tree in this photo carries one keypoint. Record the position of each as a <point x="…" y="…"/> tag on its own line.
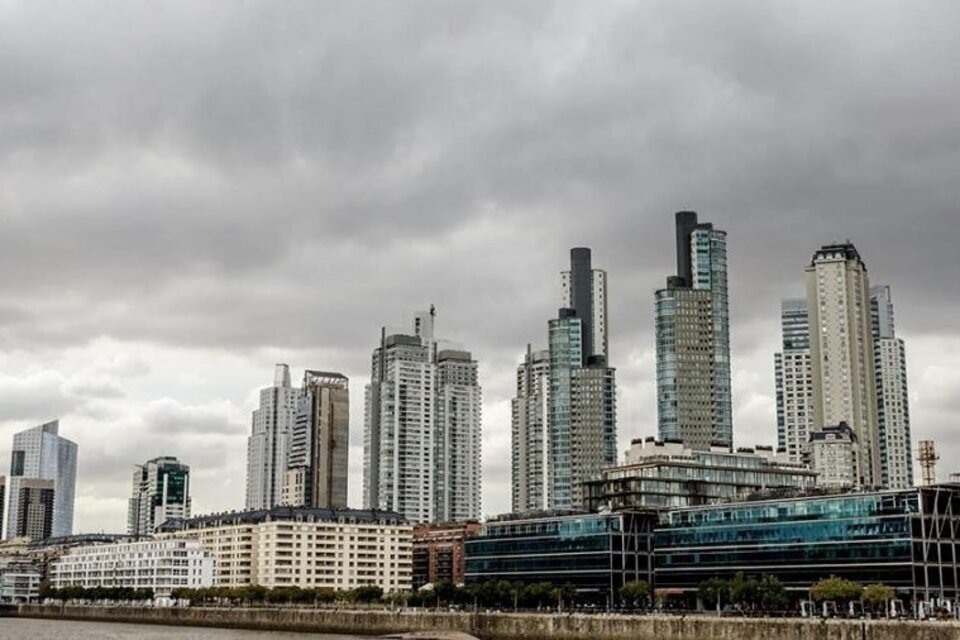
<point x="714" y="591"/>
<point x="838" y="589"/>
<point x="877" y="595"/>
<point x="771" y="593"/>
<point x="634" y="592"/>
<point x="743" y="590"/>
<point x="367" y="594"/>
<point x="444" y="591"/>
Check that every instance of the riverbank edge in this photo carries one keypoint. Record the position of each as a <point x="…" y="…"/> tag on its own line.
<point x="504" y="626"/>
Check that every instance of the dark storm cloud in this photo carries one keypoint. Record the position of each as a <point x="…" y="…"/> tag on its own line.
<point x="292" y="176"/>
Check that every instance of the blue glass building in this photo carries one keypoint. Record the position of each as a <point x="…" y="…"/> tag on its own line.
<point x="905" y="539"/>
<point x="594" y="552"/>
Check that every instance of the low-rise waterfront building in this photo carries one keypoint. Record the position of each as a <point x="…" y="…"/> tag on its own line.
<point x="596" y="553"/>
<point x="670" y="475"/>
<point x="19" y="581"/>
<point x="906" y="539"/>
<point x="288" y="546"/>
<point x="161" y="565"/>
<point x="438" y="552"/>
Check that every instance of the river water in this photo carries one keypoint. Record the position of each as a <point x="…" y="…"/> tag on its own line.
<point x="29" y="629"/>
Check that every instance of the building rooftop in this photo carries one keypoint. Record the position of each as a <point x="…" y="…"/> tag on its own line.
<point x="285" y="514"/>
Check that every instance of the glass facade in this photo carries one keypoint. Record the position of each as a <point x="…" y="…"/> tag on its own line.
<point x="565" y="355"/>
<point x="693" y="340"/>
<point x="596" y="553"/>
<point x="905" y="539"/>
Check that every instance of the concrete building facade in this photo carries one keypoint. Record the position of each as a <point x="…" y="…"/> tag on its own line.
<point x="794" y="380"/>
<point x="422" y="422"/>
<point x="693" y="340"/>
<point x="269" y="442"/>
<point x="41" y="453"/>
<point x="438" y="552"/>
<point x="832" y="453"/>
<point x="841" y="350"/>
<point x="317" y="466"/>
<point x="893" y="401"/>
<point x="308" y="548"/>
<point x="530" y="460"/>
<point x="161" y="565"/>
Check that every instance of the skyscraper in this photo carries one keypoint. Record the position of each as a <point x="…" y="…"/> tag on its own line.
<point x="693" y="340"/>
<point x="794" y="380"/>
<point x="422" y="404"/>
<point x="35" y="509"/>
<point x="458" y="437"/>
<point x="841" y="352"/>
<point x="320" y="445"/>
<point x="269" y="443"/>
<point x="581" y="401"/>
<point x="530" y="466"/>
<point x="41" y="453"/>
<point x="160" y="491"/>
<point x="893" y="403"/>
<point x="3" y="499"/>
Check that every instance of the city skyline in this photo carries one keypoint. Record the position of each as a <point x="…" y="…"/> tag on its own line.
<point x="163" y="248"/>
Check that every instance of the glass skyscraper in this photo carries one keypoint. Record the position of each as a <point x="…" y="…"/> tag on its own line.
<point x="160" y="491"/>
<point x="41" y="453"/>
<point x="693" y="340"/>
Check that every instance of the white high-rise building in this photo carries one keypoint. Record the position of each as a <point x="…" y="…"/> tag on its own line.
<point x="893" y="410"/>
<point x="269" y="443"/>
<point x="593" y="299"/>
<point x="41" y="453"/>
<point x="458" y="437"/>
<point x="841" y="350"/>
<point x="530" y="463"/>
<point x="794" y="378"/>
<point x="421" y="424"/>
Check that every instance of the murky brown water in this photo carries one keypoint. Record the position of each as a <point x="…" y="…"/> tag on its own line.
<point x="27" y="629"/>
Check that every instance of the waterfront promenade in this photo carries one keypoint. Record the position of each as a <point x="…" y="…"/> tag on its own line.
<point x="504" y="626"/>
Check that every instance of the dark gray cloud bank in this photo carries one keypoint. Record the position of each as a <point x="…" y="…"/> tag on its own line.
<point x="192" y="191"/>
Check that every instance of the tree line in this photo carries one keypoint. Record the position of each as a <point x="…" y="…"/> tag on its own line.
<point x="95" y="594"/>
<point x="768" y="593"/>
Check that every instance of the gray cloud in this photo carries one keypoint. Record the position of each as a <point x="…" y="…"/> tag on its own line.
<point x="277" y="182"/>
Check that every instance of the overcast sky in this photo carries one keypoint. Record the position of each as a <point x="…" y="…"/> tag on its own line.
<point x="193" y="191"/>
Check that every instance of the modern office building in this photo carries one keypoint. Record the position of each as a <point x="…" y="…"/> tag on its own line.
<point x="530" y="460"/>
<point x="308" y="548"/>
<point x="317" y="465"/>
<point x="581" y="393"/>
<point x="41" y="453"/>
<point x="160" y="491"/>
<point x="269" y="443"/>
<point x="160" y="565"/>
<point x="693" y="340"/>
<point x="421" y="423"/>
<point x="438" y="552"/>
<point x="670" y="475"/>
<point x="842" y="355"/>
<point x="36" y="500"/>
<point x="3" y="500"/>
<point x="905" y="539"/>
<point x="594" y="552"/>
<point x="832" y="452"/>
<point x="893" y="402"/>
<point x="794" y="380"/>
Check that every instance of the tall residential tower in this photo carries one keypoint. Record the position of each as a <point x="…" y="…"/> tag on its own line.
<point x="269" y="443"/>
<point x="841" y="352"/>
<point x="422" y="427"/>
<point x="693" y="340"/>
<point x="794" y="380"/>
<point x="530" y="463"/>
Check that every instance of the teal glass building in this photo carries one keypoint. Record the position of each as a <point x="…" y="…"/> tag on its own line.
<point x="906" y="539"/>
<point x="594" y="552"/>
